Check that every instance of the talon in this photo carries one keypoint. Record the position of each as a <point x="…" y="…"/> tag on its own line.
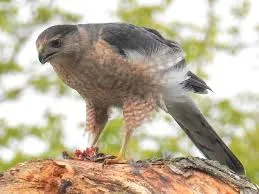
<point x="117" y="160"/>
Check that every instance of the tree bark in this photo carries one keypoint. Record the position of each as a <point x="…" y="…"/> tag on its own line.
<point x="179" y="175"/>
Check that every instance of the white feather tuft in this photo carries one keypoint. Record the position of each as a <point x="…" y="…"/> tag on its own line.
<point x="174" y="90"/>
<point x="162" y="64"/>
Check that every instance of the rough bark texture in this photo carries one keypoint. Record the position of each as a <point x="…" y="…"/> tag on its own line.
<point x="179" y="175"/>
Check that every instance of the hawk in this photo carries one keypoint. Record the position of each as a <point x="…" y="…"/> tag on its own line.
<point x="136" y="69"/>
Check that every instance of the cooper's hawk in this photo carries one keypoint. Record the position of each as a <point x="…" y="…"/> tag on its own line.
<point x="135" y="68"/>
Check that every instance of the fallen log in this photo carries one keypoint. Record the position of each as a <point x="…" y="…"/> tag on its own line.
<point x="178" y="175"/>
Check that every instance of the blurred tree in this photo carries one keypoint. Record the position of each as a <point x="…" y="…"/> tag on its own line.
<point x="201" y="44"/>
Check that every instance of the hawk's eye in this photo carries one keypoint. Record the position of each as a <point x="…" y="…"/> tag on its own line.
<point x="55" y="43"/>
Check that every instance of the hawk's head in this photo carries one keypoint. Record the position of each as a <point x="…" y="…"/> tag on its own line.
<point x="57" y="42"/>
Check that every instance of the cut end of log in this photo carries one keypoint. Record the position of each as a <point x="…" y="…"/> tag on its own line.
<point x="179" y="175"/>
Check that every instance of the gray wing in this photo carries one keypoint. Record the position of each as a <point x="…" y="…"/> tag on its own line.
<point x="129" y="37"/>
<point x="137" y="43"/>
<point x="150" y="44"/>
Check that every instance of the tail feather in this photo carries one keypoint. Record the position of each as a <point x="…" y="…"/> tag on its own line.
<point x="191" y="120"/>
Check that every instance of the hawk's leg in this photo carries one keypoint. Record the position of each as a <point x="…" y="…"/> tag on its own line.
<point x="95" y="122"/>
<point x="134" y="112"/>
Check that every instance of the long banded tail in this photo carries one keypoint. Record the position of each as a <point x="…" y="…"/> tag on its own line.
<point x="191" y="120"/>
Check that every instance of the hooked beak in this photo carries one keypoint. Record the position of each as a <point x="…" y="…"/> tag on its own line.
<point x="44" y="57"/>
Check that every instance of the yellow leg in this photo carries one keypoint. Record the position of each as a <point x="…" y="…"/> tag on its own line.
<point x="125" y="143"/>
<point x="96" y="137"/>
<point x="120" y="159"/>
<point x="135" y="110"/>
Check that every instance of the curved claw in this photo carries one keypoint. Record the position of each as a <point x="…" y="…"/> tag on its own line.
<point x="117" y="160"/>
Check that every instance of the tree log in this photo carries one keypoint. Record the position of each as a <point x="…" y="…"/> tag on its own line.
<point x="178" y="175"/>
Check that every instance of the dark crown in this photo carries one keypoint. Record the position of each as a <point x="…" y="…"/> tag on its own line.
<point x="52" y="31"/>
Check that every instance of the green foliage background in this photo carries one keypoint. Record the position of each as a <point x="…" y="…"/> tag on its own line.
<point x="231" y="120"/>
